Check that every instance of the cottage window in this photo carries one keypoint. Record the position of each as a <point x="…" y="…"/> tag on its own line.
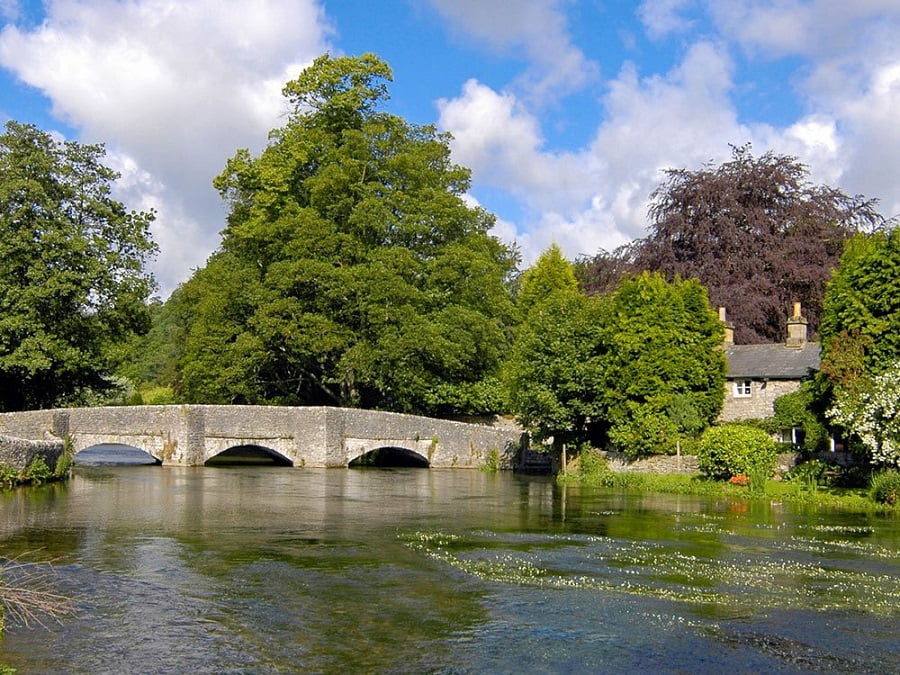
<point x="742" y="389"/>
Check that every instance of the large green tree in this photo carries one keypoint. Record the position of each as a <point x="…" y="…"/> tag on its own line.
<point x="634" y="369"/>
<point x="72" y="278"/>
<point x="554" y="370"/>
<point x="352" y="271"/>
<point x="861" y="344"/>
<point x="666" y="371"/>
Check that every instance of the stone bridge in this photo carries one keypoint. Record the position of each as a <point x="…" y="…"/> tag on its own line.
<point x="191" y="435"/>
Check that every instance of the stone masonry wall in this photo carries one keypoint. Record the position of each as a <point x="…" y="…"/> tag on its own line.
<point x="19" y="453"/>
<point x="760" y="404"/>
<point x="620" y="462"/>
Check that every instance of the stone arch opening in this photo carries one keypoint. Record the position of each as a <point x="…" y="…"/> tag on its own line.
<point x="390" y="456"/>
<point x="248" y="455"/>
<point x="114" y="454"/>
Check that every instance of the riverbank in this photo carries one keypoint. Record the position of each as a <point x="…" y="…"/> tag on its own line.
<point x="24" y="461"/>
<point x="598" y="472"/>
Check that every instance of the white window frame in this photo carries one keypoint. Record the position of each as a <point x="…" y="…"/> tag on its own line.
<point x="743" y="388"/>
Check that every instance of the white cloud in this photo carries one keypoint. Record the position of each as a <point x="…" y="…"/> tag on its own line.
<point x="534" y="29"/>
<point x="664" y="17"/>
<point x="176" y="87"/>
<point x="598" y="197"/>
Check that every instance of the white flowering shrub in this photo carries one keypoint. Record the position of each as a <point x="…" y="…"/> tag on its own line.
<point x="873" y="416"/>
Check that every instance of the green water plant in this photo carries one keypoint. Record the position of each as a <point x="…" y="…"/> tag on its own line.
<point x="885" y="487"/>
<point x="491" y="461"/>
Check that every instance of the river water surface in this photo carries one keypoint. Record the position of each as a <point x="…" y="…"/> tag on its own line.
<point x="267" y="570"/>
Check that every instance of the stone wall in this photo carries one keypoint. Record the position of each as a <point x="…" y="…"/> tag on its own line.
<point x="620" y="462"/>
<point x="19" y="453"/>
<point x="685" y="464"/>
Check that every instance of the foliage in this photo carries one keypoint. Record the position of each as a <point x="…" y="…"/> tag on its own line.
<point x="810" y="474"/>
<point x="753" y="230"/>
<point x="72" y="281"/>
<point x="800" y="409"/>
<point x="861" y="317"/>
<point x="35" y="473"/>
<point x="492" y="461"/>
<point x="735" y="449"/>
<point x="151" y="359"/>
<point x="551" y="273"/>
<point x="554" y="371"/>
<point x="352" y="271"/>
<point x="871" y="413"/>
<point x="643" y="430"/>
<point x="885" y="487"/>
<point x="664" y="375"/>
<point x="593" y="469"/>
<point x="636" y="369"/>
<point x="154" y="395"/>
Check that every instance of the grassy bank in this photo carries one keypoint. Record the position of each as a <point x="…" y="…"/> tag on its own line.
<point x="594" y="471"/>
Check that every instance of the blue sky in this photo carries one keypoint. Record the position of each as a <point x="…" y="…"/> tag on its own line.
<point x="566" y="111"/>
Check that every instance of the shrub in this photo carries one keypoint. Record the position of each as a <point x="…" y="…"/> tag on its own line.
<point x="810" y="474"/>
<point x="593" y="469"/>
<point x="885" y="487"/>
<point x="644" y="432"/>
<point x="735" y="449"/>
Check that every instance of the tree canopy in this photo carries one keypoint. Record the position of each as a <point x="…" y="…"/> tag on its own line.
<point x="352" y="272"/>
<point x="753" y="230"/>
<point x="553" y="371"/>
<point x="72" y="280"/>
<point x="862" y="303"/>
<point x="861" y="344"/>
<point x="636" y="368"/>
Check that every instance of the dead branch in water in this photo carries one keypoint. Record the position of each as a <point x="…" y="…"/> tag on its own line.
<point x="27" y="593"/>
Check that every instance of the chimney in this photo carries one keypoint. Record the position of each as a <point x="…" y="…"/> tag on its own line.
<point x="796" y="328"/>
<point x="729" y="328"/>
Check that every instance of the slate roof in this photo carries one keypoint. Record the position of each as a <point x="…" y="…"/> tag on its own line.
<point x="772" y="361"/>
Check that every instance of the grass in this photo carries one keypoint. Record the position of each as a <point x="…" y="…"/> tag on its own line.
<point x="592" y="470"/>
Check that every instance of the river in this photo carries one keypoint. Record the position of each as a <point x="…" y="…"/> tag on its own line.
<point x="271" y="570"/>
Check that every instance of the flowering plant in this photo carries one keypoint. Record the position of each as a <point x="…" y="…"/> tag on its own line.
<point x="740" y="479"/>
<point x="872" y="414"/>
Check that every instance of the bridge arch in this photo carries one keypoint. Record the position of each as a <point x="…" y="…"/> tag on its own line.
<point x="390" y="456"/>
<point x="114" y="454"/>
<point x="244" y="454"/>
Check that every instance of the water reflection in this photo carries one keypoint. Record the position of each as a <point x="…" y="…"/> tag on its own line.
<point x="114" y="454"/>
<point x="269" y="570"/>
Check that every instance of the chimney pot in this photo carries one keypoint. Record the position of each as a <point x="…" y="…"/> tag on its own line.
<point x="796" y="328"/>
<point x="729" y="327"/>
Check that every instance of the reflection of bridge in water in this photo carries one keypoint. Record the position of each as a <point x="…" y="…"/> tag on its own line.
<point x="193" y="435"/>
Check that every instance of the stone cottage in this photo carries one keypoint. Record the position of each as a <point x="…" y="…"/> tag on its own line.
<point x="758" y="374"/>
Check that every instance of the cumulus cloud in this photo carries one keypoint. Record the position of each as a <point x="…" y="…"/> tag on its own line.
<point x="535" y="30"/>
<point x="664" y="17"/>
<point x="174" y="87"/>
<point x="597" y="197"/>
